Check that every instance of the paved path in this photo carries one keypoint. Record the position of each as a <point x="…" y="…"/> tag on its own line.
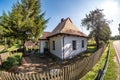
<point x="116" y="45"/>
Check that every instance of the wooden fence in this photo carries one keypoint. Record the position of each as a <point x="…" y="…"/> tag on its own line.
<point x="102" y="71"/>
<point x="73" y="71"/>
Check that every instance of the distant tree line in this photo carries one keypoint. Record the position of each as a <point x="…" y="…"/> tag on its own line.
<point x="116" y="37"/>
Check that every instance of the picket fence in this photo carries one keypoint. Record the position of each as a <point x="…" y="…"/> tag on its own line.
<point x="73" y="71"/>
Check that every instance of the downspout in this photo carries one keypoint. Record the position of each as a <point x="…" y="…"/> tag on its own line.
<point x="63" y="47"/>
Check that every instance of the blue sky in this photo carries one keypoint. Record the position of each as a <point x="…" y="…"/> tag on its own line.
<point x="75" y="9"/>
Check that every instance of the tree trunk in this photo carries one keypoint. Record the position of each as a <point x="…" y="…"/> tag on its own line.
<point x="97" y="37"/>
<point x="97" y="42"/>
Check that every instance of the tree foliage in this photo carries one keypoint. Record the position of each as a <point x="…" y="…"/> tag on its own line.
<point x="105" y="33"/>
<point x="25" y="21"/>
<point x="13" y="60"/>
<point x="98" y="25"/>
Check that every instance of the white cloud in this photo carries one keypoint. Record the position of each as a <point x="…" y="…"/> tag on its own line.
<point x="111" y="11"/>
<point x="111" y="8"/>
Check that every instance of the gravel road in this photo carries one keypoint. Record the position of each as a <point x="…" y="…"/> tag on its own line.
<point x="116" y="45"/>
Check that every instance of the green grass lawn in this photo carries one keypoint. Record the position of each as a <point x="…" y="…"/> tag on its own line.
<point x="91" y="49"/>
<point x="2" y="47"/>
<point x="91" y="41"/>
<point x="92" y="74"/>
<point x="14" y="47"/>
<point x="111" y="73"/>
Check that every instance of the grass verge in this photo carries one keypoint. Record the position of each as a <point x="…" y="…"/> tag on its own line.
<point x="111" y="73"/>
<point x="91" y="74"/>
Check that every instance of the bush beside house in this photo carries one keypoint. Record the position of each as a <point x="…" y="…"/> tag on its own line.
<point x="13" y="60"/>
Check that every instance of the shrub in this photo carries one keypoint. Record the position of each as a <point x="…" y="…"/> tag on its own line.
<point x="13" y="60"/>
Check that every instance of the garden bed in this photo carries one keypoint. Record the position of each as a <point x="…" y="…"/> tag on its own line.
<point x="38" y="63"/>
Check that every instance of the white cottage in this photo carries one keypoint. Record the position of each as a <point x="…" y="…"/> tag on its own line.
<point x="65" y="41"/>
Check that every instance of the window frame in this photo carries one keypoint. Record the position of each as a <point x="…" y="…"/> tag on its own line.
<point x="53" y="45"/>
<point x="74" y="45"/>
<point x="83" y="43"/>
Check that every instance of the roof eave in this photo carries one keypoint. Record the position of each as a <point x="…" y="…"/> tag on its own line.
<point x="67" y="34"/>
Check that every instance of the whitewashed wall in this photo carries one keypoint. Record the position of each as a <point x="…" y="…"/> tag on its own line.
<point x="68" y="51"/>
<point x="42" y="45"/>
<point x="58" y="47"/>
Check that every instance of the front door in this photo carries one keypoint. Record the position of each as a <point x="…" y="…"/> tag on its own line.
<point x="46" y="48"/>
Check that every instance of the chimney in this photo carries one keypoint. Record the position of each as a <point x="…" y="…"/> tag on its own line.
<point x="62" y="19"/>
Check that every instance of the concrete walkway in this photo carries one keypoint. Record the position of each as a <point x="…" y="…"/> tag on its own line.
<point x="116" y="45"/>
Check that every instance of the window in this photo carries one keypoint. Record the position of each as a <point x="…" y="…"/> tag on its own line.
<point x="82" y="43"/>
<point x="53" y="45"/>
<point x="46" y="44"/>
<point x="74" y="45"/>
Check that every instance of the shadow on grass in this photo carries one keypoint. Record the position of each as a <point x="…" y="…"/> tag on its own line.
<point x="91" y="49"/>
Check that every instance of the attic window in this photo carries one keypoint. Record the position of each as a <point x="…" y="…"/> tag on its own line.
<point x="53" y="45"/>
<point x="74" y="44"/>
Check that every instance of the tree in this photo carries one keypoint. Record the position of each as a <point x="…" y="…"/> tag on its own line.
<point x="116" y="37"/>
<point x="119" y="29"/>
<point x="96" y="23"/>
<point x="105" y="33"/>
<point x="25" y="21"/>
<point x="1" y="34"/>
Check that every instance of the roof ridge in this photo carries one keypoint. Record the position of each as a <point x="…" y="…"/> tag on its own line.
<point x="63" y="25"/>
<point x="67" y="27"/>
<point x="59" y="26"/>
<point x="69" y="19"/>
<point x="46" y="32"/>
<point x="70" y="28"/>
